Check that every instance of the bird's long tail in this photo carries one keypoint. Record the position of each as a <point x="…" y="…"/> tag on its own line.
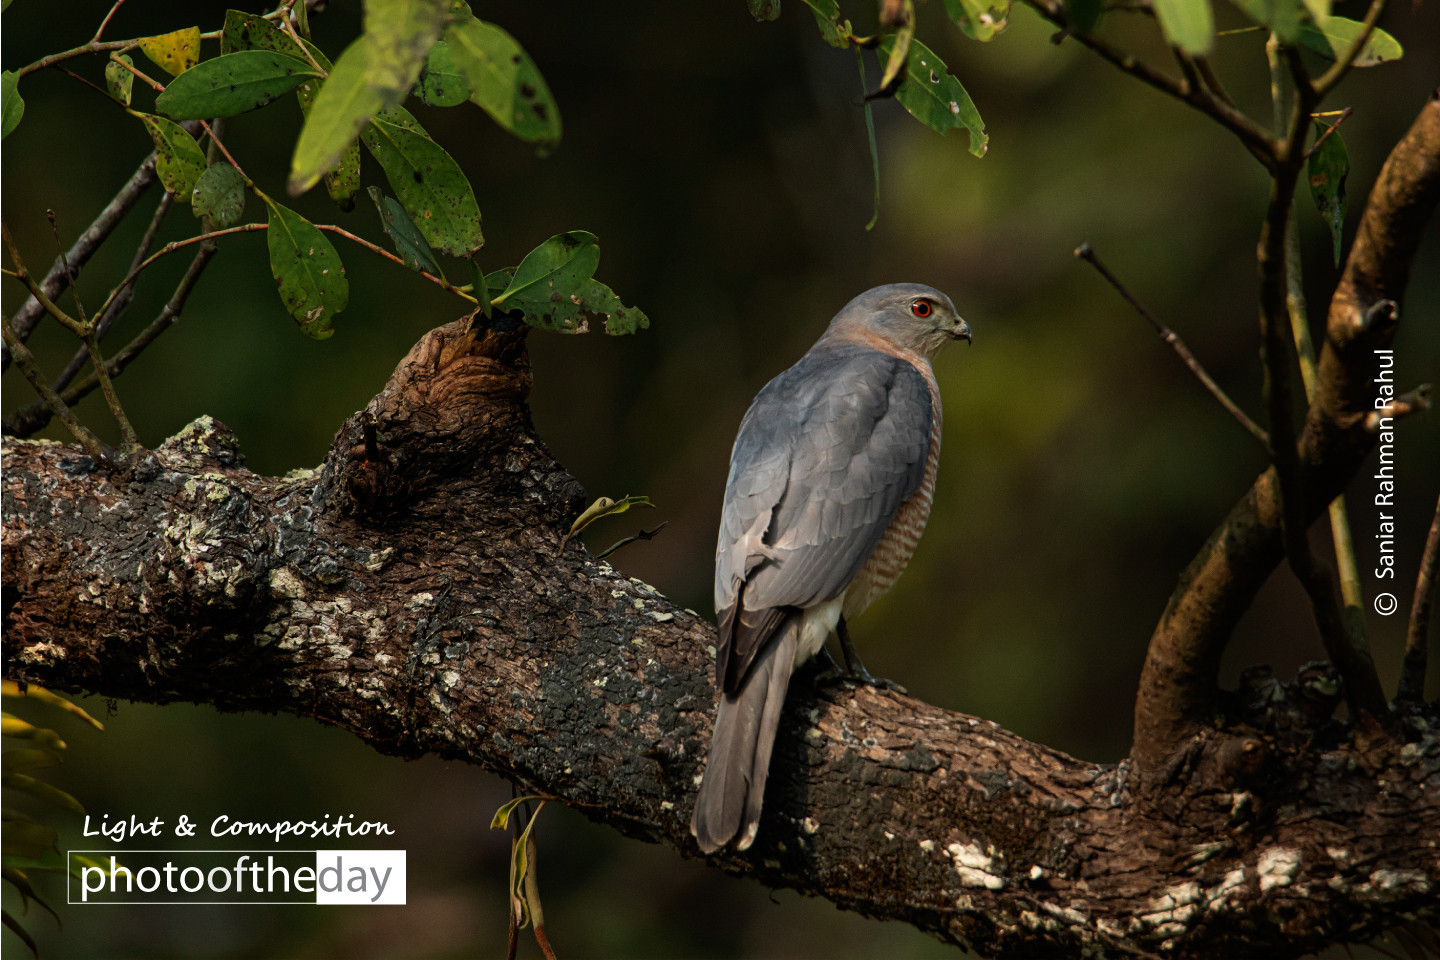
<point x="733" y="787"/>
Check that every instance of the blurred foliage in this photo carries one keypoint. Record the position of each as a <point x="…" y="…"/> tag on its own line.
<point x="725" y="164"/>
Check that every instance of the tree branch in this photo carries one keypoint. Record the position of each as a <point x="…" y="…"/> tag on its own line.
<point x="81" y="250"/>
<point x="419" y="600"/>
<point x="1178" y="685"/>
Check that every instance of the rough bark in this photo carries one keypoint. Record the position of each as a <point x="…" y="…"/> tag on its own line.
<point x="413" y="591"/>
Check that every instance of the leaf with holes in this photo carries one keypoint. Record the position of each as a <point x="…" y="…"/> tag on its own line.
<point x="441" y="82"/>
<point x="1190" y="24"/>
<point x="343" y="105"/>
<point x="118" y="80"/>
<point x="833" y="30"/>
<point x="307" y="271"/>
<point x="409" y="244"/>
<point x="935" y="98"/>
<point x="504" y="81"/>
<point x="178" y="158"/>
<point x="427" y="181"/>
<point x="12" y="105"/>
<point x="764" y="9"/>
<point x="398" y="37"/>
<point x="1340" y="32"/>
<point x="220" y="195"/>
<point x="1329" y="166"/>
<point x="343" y="182"/>
<point x="246" y="31"/>
<point x="174" y="52"/>
<point x="979" y="19"/>
<point x="233" y="84"/>
<point x="555" y="289"/>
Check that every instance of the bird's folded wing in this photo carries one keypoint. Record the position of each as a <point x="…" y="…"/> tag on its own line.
<point x="826" y="455"/>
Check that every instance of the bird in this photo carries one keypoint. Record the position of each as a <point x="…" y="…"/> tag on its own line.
<point x="831" y="480"/>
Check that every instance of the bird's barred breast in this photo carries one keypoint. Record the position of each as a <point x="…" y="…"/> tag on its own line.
<point x="897" y="546"/>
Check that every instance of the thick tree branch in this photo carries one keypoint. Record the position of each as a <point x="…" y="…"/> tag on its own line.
<point x="415" y="594"/>
<point x="1177" y="689"/>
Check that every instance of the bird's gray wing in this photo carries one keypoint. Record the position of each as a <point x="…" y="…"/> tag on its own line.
<point x="825" y="456"/>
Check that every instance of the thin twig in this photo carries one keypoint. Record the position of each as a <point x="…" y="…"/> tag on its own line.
<point x="1251" y="134"/>
<point x="1407" y="403"/>
<point x="57" y="407"/>
<point x="290" y="29"/>
<point x="157" y="87"/>
<point x="1412" y="676"/>
<point x="119" y="305"/>
<point x="174" y="245"/>
<point x="24" y="277"/>
<point x="24" y="320"/>
<point x="1324" y="136"/>
<point x="215" y="139"/>
<point x="642" y="535"/>
<point x="438" y="281"/>
<point x="1084" y="252"/>
<point x="105" y="23"/>
<point x="1346" y="60"/>
<point x="65" y="264"/>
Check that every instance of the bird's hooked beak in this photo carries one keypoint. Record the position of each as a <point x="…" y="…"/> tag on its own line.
<point x="960" y="332"/>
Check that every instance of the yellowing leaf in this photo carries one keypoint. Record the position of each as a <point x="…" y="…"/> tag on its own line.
<point x="174" y="52"/>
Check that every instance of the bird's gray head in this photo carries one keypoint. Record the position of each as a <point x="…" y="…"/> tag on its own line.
<point x="911" y="316"/>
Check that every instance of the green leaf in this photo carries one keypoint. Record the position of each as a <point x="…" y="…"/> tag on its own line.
<point x="409" y="244"/>
<point x="302" y="19"/>
<point x="427" y="180"/>
<point x="343" y="105"/>
<point x="21" y="761"/>
<point x="398" y="36"/>
<point x="220" y="195"/>
<point x="899" y="52"/>
<point x="556" y="268"/>
<point x="233" y="84"/>
<point x="175" y="52"/>
<point x="118" y="80"/>
<point x="35" y="833"/>
<point x="343" y="182"/>
<point x="1339" y="32"/>
<point x="554" y="288"/>
<point x="41" y="790"/>
<point x="12" y="105"/>
<point x="246" y="31"/>
<point x="1281" y="16"/>
<point x="1328" y="168"/>
<point x="833" y="30"/>
<point x="764" y="9"/>
<point x="1319" y="11"/>
<point x="502" y="816"/>
<point x="12" y="689"/>
<point x="441" y="82"/>
<point x="179" y="159"/>
<point x="12" y="726"/>
<point x="980" y="19"/>
<point x="1189" y="24"/>
<point x="1085" y="14"/>
<point x="307" y="271"/>
<point x="504" y="81"/>
<point x="935" y="98"/>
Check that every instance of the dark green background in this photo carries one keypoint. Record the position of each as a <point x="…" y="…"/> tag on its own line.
<point x="723" y="164"/>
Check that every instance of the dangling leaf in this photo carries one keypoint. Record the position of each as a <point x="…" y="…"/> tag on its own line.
<point x="118" y="80"/>
<point x="1281" y="16"/>
<point x="233" y="84"/>
<point x="302" y="19"/>
<point x="12" y="689"/>
<point x="307" y="270"/>
<point x="178" y="158"/>
<point x="398" y="36"/>
<point x="12" y="105"/>
<point x="1189" y="24"/>
<point x="1329" y="166"/>
<point x="427" y="180"/>
<point x="409" y="244"/>
<point x="42" y="791"/>
<point x="937" y="99"/>
<point x="220" y="195"/>
<point x="504" y="81"/>
<point x="555" y="289"/>
<point x="1335" y="38"/>
<point x="343" y="182"/>
<point x="343" y="105"/>
<point x="501" y="820"/>
<point x="441" y="82"/>
<point x="174" y="52"/>
<point x="983" y="19"/>
<point x="833" y="30"/>
<point x="764" y="9"/>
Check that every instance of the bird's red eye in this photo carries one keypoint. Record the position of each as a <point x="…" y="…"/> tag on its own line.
<point x="921" y="308"/>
